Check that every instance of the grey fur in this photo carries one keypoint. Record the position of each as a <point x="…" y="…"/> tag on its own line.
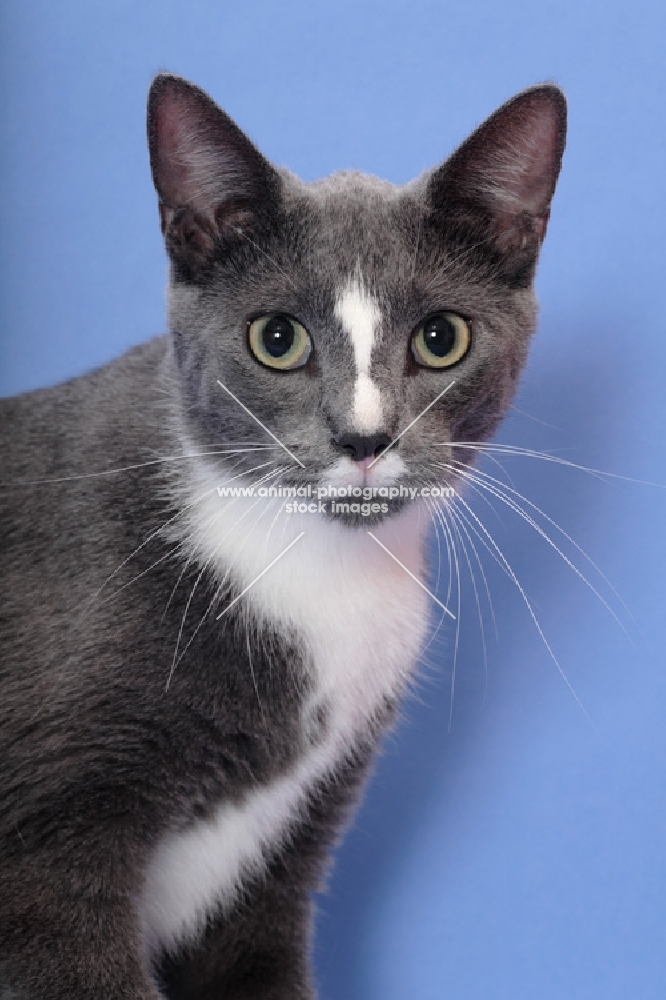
<point x="97" y="760"/>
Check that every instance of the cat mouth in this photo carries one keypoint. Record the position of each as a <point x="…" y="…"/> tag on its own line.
<point x="349" y="504"/>
<point x="355" y="513"/>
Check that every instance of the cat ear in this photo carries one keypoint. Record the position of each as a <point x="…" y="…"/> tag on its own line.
<point x="500" y="182"/>
<point x="207" y="173"/>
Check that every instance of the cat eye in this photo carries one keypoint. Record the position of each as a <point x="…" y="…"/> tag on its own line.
<point x="441" y="340"/>
<point x="279" y="341"/>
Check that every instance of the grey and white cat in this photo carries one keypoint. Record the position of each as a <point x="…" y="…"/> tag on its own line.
<point x="193" y="685"/>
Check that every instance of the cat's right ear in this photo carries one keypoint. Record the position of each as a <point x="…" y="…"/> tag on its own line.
<point x="496" y="189"/>
<point x="209" y="177"/>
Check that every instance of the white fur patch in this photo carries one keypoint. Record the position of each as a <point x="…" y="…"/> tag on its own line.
<point x="360" y="315"/>
<point x="362" y="620"/>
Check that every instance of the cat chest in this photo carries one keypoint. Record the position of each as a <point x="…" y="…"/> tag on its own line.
<point x="362" y="641"/>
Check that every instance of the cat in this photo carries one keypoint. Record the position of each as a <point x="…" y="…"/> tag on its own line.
<point x="194" y="683"/>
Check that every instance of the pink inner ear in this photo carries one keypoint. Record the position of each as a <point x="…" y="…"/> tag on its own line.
<point x="529" y="179"/>
<point x="172" y="172"/>
<point x="192" y="164"/>
<point x="517" y="162"/>
<point x="520" y="177"/>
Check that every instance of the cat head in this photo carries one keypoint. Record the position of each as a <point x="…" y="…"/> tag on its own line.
<point x="343" y="314"/>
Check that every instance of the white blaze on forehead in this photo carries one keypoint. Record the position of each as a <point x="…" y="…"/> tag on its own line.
<point x="359" y="315"/>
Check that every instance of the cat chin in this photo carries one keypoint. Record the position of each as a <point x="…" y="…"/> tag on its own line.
<point x="362" y="515"/>
<point x="346" y="479"/>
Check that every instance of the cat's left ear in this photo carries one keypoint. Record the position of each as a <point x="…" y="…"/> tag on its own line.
<point x="209" y="177"/>
<point x="500" y="182"/>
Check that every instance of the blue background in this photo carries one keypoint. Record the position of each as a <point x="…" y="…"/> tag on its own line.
<point x="518" y="853"/>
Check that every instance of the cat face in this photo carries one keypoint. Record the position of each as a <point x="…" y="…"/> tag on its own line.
<point x="348" y="313"/>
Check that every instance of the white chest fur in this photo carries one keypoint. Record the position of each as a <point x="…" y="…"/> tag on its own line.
<point x="362" y="620"/>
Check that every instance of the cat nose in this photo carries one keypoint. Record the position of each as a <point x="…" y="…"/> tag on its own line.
<point x="359" y="447"/>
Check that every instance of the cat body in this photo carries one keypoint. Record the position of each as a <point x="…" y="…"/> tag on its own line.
<point x="193" y="685"/>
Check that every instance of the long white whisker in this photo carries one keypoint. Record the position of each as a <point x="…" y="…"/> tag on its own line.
<point x="259" y="576"/>
<point x="529" y="607"/>
<point x="537" y="420"/>
<point x="412" y="422"/>
<point x="201" y="530"/>
<point x="463" y="472"/>
<point x="258" y="421"/>
<point x="484" y="447"/>
<point x="133" y="468"/>
<point x="176" y="659"/>
<point x="456" y="525"/>
<point x="128" y="583"/>
<point x="484" y="480"/>
<point x="435" y="631"/>
<point x="252" y="673"/>
<point x="157" y="531"/>
<point x="439" y="548"/>
<point x="456" y="644"/>
<point x="482" y="541"/>
<point x="409" y="573"/>
<point x="461" y="522"/>
<point x="241" y="232"/>
<point x="266" y="478"/>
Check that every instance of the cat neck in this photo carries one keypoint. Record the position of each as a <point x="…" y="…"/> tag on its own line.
<point x="334" y="587"/>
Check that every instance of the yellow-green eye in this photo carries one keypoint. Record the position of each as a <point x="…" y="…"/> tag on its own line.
<point x="441" y="340"/>
<point x="279" y="341"/>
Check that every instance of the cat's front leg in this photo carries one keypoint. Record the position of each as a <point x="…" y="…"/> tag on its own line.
<point x="61" y="972"/>
<point x="258" y="951"/>
<point x="66" y="936"/>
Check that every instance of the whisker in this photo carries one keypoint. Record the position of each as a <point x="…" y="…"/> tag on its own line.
<point x="456" y="526"/>
<point x="160" y="529"/>
<point x="450" y="504"/>
<point x="256" y="246"/>
<point x="128" y="583"/>
<point x="463" y="473"/>
<point x="176" y="658"/>
<point x="135" y="467"/>
<point x="537" y="420"/>
<point x="435" y="631"/>
<point x="439" y="549"/>
<point x="530" y="609"/>
<point x="514" y="450"/>
<point x="272" y="525"/>
<point x="456" y="563"/>
<point x="454" y="671"/>
<point x="477" y="534"/>
<point x="212" y="520"/>
<point x="502" y="489"/>
<point x="201" y="529"/>
<point x="496" y="461"/>
<point x="211" y="605"/>
<point x="252" y="673"/>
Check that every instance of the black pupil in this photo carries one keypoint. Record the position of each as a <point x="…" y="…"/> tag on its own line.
<point x="439" y="336"/>
<point x="278" y="336"/>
